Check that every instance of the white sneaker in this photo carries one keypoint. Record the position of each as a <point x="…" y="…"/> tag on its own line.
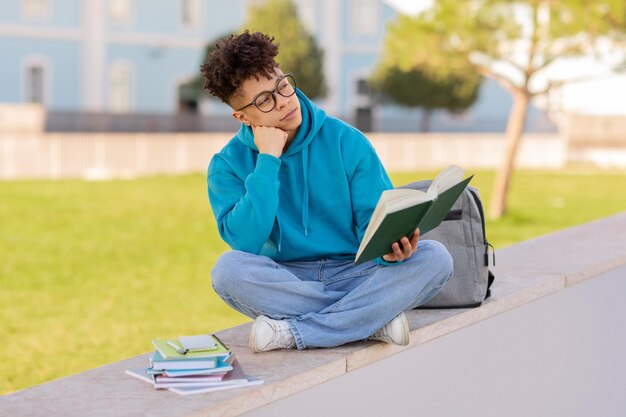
<point x="268" y="334"/>
<point x="396" y="331"/>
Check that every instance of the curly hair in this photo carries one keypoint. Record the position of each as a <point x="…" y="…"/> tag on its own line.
<point x="237" y="58"/>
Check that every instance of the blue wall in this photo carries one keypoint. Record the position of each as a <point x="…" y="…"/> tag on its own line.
<point x="163" y="52"/>
<point x="155" y="72"/>
<point x="164" y="18"/>
<point x="156" y="68"/>
<point x="62" y="59"/>
<point x="352" y="63"/>
<point x="61" y="13"/>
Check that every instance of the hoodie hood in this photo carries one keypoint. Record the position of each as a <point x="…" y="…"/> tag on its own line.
<point x="312" y="120"/>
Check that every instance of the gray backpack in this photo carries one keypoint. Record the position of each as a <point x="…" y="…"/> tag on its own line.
<point x="463" y="233"/>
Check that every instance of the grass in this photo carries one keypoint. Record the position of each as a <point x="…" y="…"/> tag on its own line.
<point x="92" y="271"/>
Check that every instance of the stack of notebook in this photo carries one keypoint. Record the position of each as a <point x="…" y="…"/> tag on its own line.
<point x="193" y="364"/>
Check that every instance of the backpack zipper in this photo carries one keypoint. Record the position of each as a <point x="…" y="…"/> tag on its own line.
<point x="482" y="221"/>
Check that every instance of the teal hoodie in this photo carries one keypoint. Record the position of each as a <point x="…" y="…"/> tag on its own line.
<point x="313" y="202"/>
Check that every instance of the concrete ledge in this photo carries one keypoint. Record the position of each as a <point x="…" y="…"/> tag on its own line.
<point x="525" y="272"/>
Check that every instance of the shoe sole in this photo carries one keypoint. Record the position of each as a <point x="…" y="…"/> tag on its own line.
<point x="253" y="336"/>
<point x="405" y="331"/>
<point x="406" y="337"/>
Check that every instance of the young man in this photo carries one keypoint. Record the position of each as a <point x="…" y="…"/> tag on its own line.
<point x="292" y="194"/>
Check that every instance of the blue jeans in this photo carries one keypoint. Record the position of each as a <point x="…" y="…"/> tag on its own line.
<point x="330" y="302"/>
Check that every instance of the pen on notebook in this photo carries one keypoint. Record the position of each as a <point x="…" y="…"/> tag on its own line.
<point x="179" y="349"/>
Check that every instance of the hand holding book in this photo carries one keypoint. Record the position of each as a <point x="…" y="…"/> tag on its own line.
<point x="400" y="211"/>
<point x="403" y="249"/>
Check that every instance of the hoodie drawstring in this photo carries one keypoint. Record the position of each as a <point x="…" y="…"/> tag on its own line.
<point x="305" y="200"/>
<point x="305" y="191"/>
<point x="280" y="235"/>
<point x="312" y="120"/>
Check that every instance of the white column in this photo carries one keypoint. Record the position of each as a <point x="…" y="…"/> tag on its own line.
<point x="332" y="43"/>
<point x="93" y="50"/>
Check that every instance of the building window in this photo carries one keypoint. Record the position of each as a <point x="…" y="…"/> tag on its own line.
<point x="35" y="84"/>
<point x="190" y="12"/>
<point x="364" y="17"/>
<point x="362" y="87"/>
<point x="35" y="9"/>
<point x="119" y="10"/>
<point x="120" y="88"/>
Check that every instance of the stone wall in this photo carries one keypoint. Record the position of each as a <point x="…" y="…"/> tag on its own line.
<point x="596" y="140"/>
<point x="22" y="118"/>
<point x="128" y="155"/>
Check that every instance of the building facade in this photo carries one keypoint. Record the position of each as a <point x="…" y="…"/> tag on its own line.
<point x="129" y="57"/>
<point x="118" y="56"/>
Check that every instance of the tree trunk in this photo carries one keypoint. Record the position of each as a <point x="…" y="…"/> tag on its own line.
<point x="514" y="130"/>
<point x="426" y="118"/>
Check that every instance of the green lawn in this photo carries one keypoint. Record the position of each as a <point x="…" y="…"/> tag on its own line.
<point x="90" y="272"/>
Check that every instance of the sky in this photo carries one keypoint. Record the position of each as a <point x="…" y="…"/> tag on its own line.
<point x="411" y="6"/>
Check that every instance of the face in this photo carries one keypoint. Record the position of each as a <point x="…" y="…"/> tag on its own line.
<point x="286" y="115"/>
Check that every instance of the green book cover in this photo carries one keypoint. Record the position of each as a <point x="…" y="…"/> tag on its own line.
<point x="168" y="352"/>
<point x="396" y="224"/>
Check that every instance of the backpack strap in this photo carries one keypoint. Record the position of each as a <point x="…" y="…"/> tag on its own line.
<point x="490" y="279"/>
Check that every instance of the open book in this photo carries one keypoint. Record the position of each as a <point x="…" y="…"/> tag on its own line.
<point x="400" y="211"/>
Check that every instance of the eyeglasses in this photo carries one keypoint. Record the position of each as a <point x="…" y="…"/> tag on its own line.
<point x="266" y="100"/>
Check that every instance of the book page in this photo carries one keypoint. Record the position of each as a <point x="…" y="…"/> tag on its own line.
<point x="401" y="198"/>
<point x="449" y="177"/>
<point x="390" y="201"/>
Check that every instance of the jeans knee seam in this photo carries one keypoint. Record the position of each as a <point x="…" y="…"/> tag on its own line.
<point x="236" y="301"/>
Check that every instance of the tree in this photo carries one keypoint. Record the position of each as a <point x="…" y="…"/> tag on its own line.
<point x="298" y="51"/>
<point x="193" y="91"/>
<point x="419" y="87"/>
<point x="512" y="42"/>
